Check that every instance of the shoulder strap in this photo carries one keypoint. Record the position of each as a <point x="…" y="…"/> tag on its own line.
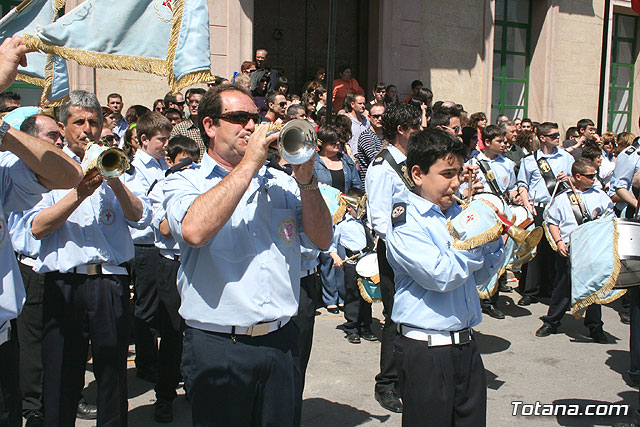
<point x="579" y="211"/>
<point x="401" y="171"/>
<point x="548" y="176"/>
<point x="491" y="179"/>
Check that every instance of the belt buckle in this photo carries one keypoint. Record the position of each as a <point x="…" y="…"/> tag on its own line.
<point x="464" y="337"/>
<point x="94" y="269"/>
<point x="259" y="330"/>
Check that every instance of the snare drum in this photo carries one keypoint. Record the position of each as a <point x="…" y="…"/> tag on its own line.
<point x="493" y="199"/>
<point x="367" y="267"/>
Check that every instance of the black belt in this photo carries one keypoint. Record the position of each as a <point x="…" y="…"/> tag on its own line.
<point x="20" y="257"/>
<point x="148" y="245"/>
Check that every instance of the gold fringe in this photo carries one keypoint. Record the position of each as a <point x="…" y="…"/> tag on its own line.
<point x="100" y="60"/>
<point x="597" y="297"/>
<point x="473" y="242"/>
<point x="57" y="6"/>
<point x="549" y="237"/>
<point x="363" y="292"/>
<point x="190" y="80"/>
<point x="494" y="288"/>
<point x="36" y="81"/>
<point x="339" y="214"/>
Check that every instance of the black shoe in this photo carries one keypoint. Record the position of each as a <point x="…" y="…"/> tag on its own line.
<point x="545" y="331"/>
<point x="162" y="411"/>
<point x="366" y="334"/>
<point x="34" y="419"/>
<point x="353" y="338"/>
<point x="389" y="400"/>
<point x="527" y="300"/>
<point x="625" y="317"/>
<point x="598" y="336"/>
<point x="86" y="411"/>
<point x="333" y="310"/>
<point x="505" y="288"/>
<point x="493" y="312"/>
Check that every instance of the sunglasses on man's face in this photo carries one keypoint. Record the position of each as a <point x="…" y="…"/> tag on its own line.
<point x="588" y="175"/>
<point x="282" y="104"/>
<point x="111" y="138"/>
<point x="376" y="116"/>
<point x="239" y="117"/>
<point x="179" y="104"/>
<point x="553" y="136"/>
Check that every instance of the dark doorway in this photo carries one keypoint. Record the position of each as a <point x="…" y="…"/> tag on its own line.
<point x="295" y="34"/>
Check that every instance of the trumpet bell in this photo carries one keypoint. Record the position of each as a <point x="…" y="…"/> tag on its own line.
<point x="297" y="141"/>
<point x="110" y="162"/>
<point x="527" y="240"/>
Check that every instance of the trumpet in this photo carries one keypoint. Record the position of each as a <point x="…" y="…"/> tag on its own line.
<point x="527" y="240"/>
<point x="111" y="162"/>
<point x="297" y="141"/>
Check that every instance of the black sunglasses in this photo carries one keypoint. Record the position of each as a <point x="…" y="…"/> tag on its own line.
<point x="553" y="135"/>
<point x="282" y="104"/>
<point x="589" y="175"/>
<point x="111" y="138"/>
<point x="239" y="117"/>
<point x="376" y="116"/>
<point x="179" y="103"/>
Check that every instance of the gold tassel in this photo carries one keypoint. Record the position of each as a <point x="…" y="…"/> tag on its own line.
<point x="473" y="242"/>
<point x="598" y="296"/>
<point x="339" y="214"/>
<point x="190" y="80"/>
<point x="547" y="234"/>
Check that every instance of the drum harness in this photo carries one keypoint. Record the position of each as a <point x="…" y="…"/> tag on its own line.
<point x="491" y="180"/>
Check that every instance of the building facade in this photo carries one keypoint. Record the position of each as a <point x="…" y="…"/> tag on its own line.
<point x="559" y="60"/>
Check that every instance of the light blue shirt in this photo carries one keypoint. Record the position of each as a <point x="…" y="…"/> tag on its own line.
<point x="502" y="168"/>
<point x="249" y="272"/>
<point x="121" y="128"/>
<point x="627" y="164"/>
<point x="560" y="213"/>
<point x="19" y="190"/>
<point x="435" y="284"/>
<point x="383" y="185"/>
<point x="147" y="171"/>
<point x="167" y="245"/>
<point x="21" y="238"/>
<point x="357" y="127"/>
<point x="349" y="234"/>
<point x="95" y="233"/>
<point x="529" y="175"/>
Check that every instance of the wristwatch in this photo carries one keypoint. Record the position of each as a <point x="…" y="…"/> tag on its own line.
<point x="313" y="185"/>
<point x="4" y="128"/>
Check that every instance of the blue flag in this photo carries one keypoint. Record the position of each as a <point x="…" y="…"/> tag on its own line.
<point x="47" y="71"/>
<point x="165" y="37"/>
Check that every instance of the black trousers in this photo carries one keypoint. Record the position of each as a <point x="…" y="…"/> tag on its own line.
<point x="387" y="379"/>
<point x="145" y="323"/>
<point x="29" y="328"/>
<point x="441" y="386"/>
<point x="305" y="320"/>
<point x="561" y="298"/>
<point x="171" y="326"/>
<point x="246" y="381"/>
<point x="9" y="382"/>
<point x="357" y="312"/>
<point x="78" y="308"/>
<point x="538" y="274"/>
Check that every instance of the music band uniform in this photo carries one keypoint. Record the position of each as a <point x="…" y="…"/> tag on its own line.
<point x="19" y="190"/>
<point x="244" y="281"/>
<point x="561" y="214"/>
<point x="383" y="185"/>
<point x="537" y="272"/>
<point x="86" y="298"/>
<point x="144" y="272"/>
<point x="435" y="306"/>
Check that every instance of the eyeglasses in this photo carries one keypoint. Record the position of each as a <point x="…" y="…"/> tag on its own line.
<point x="456" y="129"/>
<point x="239" y="117"/>
<point x="376" y="116"/>
<point x="111" y="138"/>
<point x="607" y="143"/>
<point x="160" y="109"/>
<point x="589" y="175"/>
<point x="282" y="104"/>
<point x="179" y="104"/>
<point x="553" y="135"/>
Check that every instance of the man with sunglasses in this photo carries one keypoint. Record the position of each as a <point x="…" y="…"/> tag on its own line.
<point x="189" y="126"/>
<point x="240" y="226"/>
<point x="370" y="141"/>
<point x="447" y="119"/>
<point x="537" y="178"/>
<point x="277" y="104"/>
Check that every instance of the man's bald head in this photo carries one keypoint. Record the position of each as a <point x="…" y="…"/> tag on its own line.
<point x="44" y="127"/>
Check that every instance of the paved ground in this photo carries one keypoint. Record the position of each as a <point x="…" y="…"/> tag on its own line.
<point x="567" y="368"/>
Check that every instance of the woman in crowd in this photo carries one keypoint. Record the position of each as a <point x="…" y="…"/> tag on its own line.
<point x="318" y="80"/>
<point x="109" y="119"/>
<point x="333" y="168"/>
<point x="343" y="85"/>
<point x="135" y="112"/>
<point x="159" y="107"/>
<point x="391" y="96"/>
<point x="479" y="122"/>
<point x="282" y="85"/>
<point x="379" y="91"/>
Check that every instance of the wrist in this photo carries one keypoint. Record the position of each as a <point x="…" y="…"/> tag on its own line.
<point x="311" y="185"/>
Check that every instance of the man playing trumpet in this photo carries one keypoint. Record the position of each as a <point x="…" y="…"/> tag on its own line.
<point x="84" y="242"/>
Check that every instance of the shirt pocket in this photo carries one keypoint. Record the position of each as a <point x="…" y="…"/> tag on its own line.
<point x="284" y="230"/>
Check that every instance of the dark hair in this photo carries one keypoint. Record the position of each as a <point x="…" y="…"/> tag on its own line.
<point x="429" y="145"/>
<point x="344" y="67"/>
<point x="328" y="133"/>
<point x="469" y="137"/>
<point x="182" y="144"/>
<point x="399" y="114"/>
<point x="197" y="91"/>
<point x="344" y="126"/>
<point x="591" y="151"/>
<point x="355" y="192"/>
<point x="475" y="118"/>
<point x="442" y="116"/>
<point x="211" y="105"/>
<point x="583" y="123"/>
<point x="151" y="123"/>
<point x="29" y="125"/>
<point x="282" y="81"/>
<point x="8" y="96"/>
<point x="158" y="101"/>
<point x="271" y="97"/>
<point x="247" y="65"/>
<point x="415" y="84"/>
<point x="113" y="95"/>
<point x="379" y="86"/>
<point x="580" y="166"/>
<point x="135" y="112"/>
<point x="546" y="127"/>
<point x="572" y="130"/>
<point x="169" y="98"/>
<point x="423" y="95"/>
<point x="523" y="140"/>
<point x="491" y="132"/>
<point x="173" y="111"/>
<point x="106" y="111"/>
<point x="348" y="99"/>
<point x="526" y="119"/>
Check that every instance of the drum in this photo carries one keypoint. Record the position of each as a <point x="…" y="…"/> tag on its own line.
<point x="493" y="199"/>
<point x="519" y="214"/>
<point x="369" y="280"/>
<point x="629" y="251"/>
<point x="476" y="225"/>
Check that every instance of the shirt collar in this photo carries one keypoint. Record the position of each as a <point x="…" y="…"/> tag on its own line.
<point x="554" y="153"/>
<point x="71" y="154"/>
<point x="396" y="154"/>
<point x="212" y="168"/>
<point x="423" y="206"/>
<point x="146" y="158"/>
